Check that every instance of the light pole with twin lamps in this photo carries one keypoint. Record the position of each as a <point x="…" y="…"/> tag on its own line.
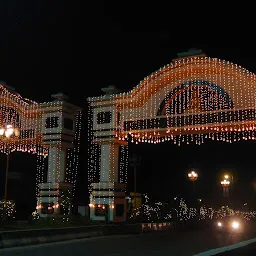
<point x="8" y="133"/>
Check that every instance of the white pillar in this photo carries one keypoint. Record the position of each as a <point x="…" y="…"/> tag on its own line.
<point x="56" y="165"/>
<point x="109" y="162"/>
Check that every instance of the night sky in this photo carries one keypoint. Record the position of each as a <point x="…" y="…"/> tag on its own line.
<point x="61" y="46"/>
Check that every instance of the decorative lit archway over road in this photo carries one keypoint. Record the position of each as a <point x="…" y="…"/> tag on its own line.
<point x="50" y="129"/>
<point x="193" y="98"/>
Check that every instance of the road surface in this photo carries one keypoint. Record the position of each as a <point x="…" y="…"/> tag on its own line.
<point x="177" y="243"/>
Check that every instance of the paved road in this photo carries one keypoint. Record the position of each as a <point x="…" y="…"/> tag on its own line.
<point x="181" y="243"/>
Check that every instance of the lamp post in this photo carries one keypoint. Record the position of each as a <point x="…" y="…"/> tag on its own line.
<point x="135" y="162"/>
<point x="7" y="133"/>
<point x="225" y="185"/>
<point x="193" y="176"/>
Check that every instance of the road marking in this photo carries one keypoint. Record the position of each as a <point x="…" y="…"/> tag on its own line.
<point x="226" y="248"/>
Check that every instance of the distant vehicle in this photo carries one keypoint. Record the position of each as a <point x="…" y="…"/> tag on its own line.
<point x="231" y="224"/>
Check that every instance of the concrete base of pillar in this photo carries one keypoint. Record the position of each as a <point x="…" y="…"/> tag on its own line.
<point x="49" y="200"/>
<point x="107" y="202"/>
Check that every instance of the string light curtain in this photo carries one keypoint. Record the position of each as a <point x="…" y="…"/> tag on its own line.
<point x="190" y="100"/>
<point x="27" y="117"/>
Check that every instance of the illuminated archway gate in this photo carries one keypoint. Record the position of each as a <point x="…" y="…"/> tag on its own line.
<point x="47" y="129"/>
<point x="192" y="99"/>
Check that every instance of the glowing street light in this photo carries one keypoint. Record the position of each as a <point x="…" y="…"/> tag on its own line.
<point x="192" y="176"/>
<point x="229" y="177"/>
<point x="9" y="131"/>
<point x="225" y="185"/>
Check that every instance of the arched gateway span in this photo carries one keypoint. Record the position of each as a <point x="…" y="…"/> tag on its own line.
<point x="193" y="98"/>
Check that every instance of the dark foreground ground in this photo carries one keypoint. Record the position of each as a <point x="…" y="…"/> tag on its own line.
<point x="249" y="250"/>
<point x="177" y="243"/>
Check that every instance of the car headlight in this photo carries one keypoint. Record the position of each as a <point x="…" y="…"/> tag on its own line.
<point x="219" y="224"/>
<point x="235" y="225"/>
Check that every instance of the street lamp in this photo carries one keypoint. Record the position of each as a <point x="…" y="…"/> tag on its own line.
<point x="225" y="184"/>
<point x="229" y="177"/>
<point x="193" y="176"/>
<point x="7" y="133"/>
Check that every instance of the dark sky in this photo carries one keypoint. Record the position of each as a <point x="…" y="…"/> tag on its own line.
<point x="46" y="46"/>
<point x="52" y="46"/>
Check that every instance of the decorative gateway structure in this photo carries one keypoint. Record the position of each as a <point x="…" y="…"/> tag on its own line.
<point x="192" y="99"/>
<point x="50" y="130"/>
